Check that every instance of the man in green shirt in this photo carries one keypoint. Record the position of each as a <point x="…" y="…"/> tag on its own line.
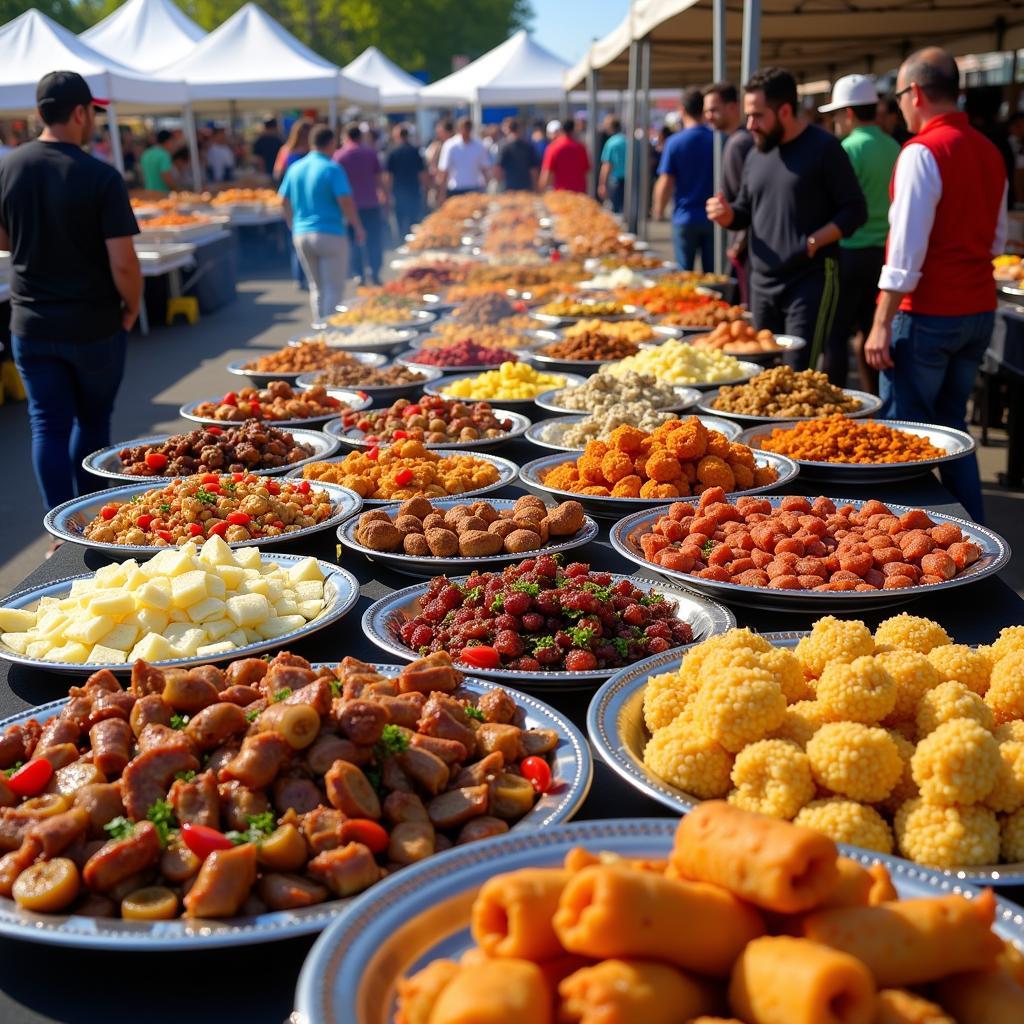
<point x="158" y="165"/>
<point x="612" y="183"/>
<point x="873" y="155"/>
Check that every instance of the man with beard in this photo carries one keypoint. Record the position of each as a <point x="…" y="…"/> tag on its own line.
<point x="798" y="197"/>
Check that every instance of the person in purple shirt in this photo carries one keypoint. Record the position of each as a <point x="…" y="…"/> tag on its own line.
<point x="687" y="170"/>
<point x="362" y="165"/>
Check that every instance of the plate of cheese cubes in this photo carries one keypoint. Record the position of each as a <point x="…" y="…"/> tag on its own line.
<point x="185" y="606"/>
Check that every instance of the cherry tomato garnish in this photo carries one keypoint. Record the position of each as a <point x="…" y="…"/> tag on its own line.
<point x="214" y="430"/>
<point x="273" y="487"/>
<point x="31" y="778"/>
<point x="210" y="478"/>
<point x="215" y="488"/>
<point x="373" y="453"/>
<point x="195" y="529"/>
<point x="365" y="831"/>
<point x="229" y="399"/>
<point x="108" y="511"/>
<point x="144" y="522"/>
<point x="238" y="477"/>
<point x="239" y="518"/>
<point x="254" y="409"/>
<point x="537" y="772"/>
<point x="218" y="529"/>
<point x="403" y="476"/>
<point x="165" y="535"/>
<point x="278" y="524"/>
<point x="399" y="435"/>
<point x="303" y="487"/>
<point x="412" y="410"/>
<point x="480" y="656"/>
<point x="203" y="840"/>
<point x="156" y="460"/>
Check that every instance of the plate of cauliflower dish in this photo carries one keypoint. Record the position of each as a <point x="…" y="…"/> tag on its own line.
<point x="899" y="741"/>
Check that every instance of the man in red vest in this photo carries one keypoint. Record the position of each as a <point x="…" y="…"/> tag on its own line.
<point x="937" y="295"/>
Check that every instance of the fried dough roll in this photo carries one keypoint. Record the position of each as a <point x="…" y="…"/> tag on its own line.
<point x="910" y="942"/>
<point x="882" y="889"/>
<point x="994" y="997"/>
<point x="505" y="991"/>
<point x="853" y="886"/>
<point x="616" y="912"/>
<point x="897" y="1006"/>
<point x="782" y="980"/>
<point x="773" y="864"/>
<point x="512" y="914"/>
<point x="418" y="994"/>
<point x="628" y="991"/>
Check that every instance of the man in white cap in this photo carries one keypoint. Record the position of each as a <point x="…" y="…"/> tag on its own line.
<point x="861" y="256"/>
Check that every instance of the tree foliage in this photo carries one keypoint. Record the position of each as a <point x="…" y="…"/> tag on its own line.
<point x="419" y="35"/>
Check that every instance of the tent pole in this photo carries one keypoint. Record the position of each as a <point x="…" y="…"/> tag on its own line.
<point x="115" y="138"/>
<point x="595" y="157"/>
<point x="644" y="198"/>
<point x="751" y="55"/>
<point x="718" y="36"/>
<point x="332" y="114"/>
<point x="193" y="147"/>
<point x="477" y="113"/>
<point x="629" y="208"/>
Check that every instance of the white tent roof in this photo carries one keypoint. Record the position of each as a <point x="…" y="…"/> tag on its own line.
<point x="32" y="45"/>
<point x="398" y="89"/>
<point x="145" y="34"/>
<point x="518" y="71"/>
<point x="253" y="60"/>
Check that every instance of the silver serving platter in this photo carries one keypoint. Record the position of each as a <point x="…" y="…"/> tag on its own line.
<point x="352" y="973"/>
<point x="532" y="473"/>
<point x="436" y="304"/>
<point x="381" y="393"/>
<point x="67" y="522"/>
<point x="688" y="397"/>
<point x="333" y="336"/>
<point x="956" y="443"/>
<point x="354" y="438"/>
<point x="869" y="405"/>
<point x="1010" y="289"/>
<point x="629" y="312"/>
<point x="341" y="591"/>
<point x="438" y="388"/>
<point x="606" y="264"/>
<point x="787" y="343"/>
<point x="428" y="565"/>
<point x="615" y="723"/>
<point x="995" y="554"/>
<point x="408" y="358"/>
<point x="417" y="320"/>
<point x="355" y="400"/>
<point x="106" y="463"/>
<point x="705" y="617"/>
<point x="560" y="424"/>
<point x="571" y="770"/>
<point x="260" y="379"/>
<point x="594" y="285"/>
<point x="507" y="473"/>
<point x="747" y="370"/>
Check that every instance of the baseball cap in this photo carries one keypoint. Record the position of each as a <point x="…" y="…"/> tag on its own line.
<point x="554" y="127"/>
<point x="66" y="89"/>
<point x="851" y="91"/>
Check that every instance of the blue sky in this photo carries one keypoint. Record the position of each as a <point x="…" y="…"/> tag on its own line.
<point x="567" y="27"/>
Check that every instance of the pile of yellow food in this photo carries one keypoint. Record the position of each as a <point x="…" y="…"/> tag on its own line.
<point x="182" y="603"/>
<point x="509" y="381"/>
<point x="676" y="362"/>
<point x="747" y="920"/>
<point x="901" y="740"/>
<point x="1008" y="267"/>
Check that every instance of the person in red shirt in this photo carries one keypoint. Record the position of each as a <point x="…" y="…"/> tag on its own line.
<point x="566" y="162"/>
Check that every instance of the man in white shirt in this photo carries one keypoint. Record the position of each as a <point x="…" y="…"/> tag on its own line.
<point x="464" y="164"/>
<point x="220" y="160"/>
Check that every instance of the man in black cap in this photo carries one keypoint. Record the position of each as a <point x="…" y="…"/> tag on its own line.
<point x="75" y="283"/>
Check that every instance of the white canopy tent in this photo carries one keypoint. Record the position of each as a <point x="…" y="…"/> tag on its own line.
<point x="145" y="34"/>
<point x="32" y="45"/>
<point x="398" y="89"/>
<point x="251" y="61"/>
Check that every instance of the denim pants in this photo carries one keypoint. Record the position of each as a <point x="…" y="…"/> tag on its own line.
<point x="617" y="193"/>
<point x="408" y="210"/>
<point x="71" y="386"/>
<point x="367" y="258"/>
<point x="689" y="239"/>
<point x="935" y="363"/>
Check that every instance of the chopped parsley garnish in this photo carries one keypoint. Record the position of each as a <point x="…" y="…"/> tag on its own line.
<point x="543" y="641"/>
<point x="281" y="695"/>
<point x="135" y="500"/>
<point x="251" y="716"/>
<point x="335" y="686"/>
<point x="475" y="594"/>
<point x="179" y="721"/>
<point x="14" y="767"/>
<point x="119" y="828"/>
<point x="497" y="604"/>
<point x="474" y="713"/>
<point x="707" y="547"/>
<point x="185" y="776"/>
<point x="580" y="635"/>
<point x="161" y="813"/>
<point x="204" y="497"/>
<point x="648" y="599"/>
<point x="164" y="507"/>
<point x="601" y="593"/>
<point x="392" y="741"/>
<point x="621" y="644"/>
<point x="231" y="487"/>
<point x="260" y="825"/>
<point x="533" y="589"/>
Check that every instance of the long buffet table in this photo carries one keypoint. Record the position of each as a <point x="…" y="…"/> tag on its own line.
<point x="43" y="984"/>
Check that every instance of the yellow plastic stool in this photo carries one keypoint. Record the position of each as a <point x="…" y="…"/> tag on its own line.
<point x="11" y="385"/>
<point x="186" y="305"/>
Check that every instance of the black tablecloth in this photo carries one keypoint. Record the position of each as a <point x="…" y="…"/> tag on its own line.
<point x="44" y="983"/>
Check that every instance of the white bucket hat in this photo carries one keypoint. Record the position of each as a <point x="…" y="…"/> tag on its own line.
<point x="851" y="91"/>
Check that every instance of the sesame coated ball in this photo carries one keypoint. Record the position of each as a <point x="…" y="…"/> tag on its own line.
<point x="732" y="640"/>
<point x="957" y="763"/>
<point x="858" y="761"/>
<point x="725" y="658"/>
<point x="1007" y="794"/>
<point x="833" y="639"/>
<point x="947" y="836"/>
<point x="666" y="697"/>
<point x="860" y="691"/>
<point x="1012" y="837"/>
<point x="772" y="777"/>
<point x="846" y="821"/>
<point x="800" y="722"/>
<point x="1009" y="731"/>
<point x="949" y="701"/>
<point x="687" y="758"/>
<point x="1005" y="695"/>
<point x="790" y="673"/>
<point x="739" y="706"/>
<point x="960" y="663"/>
<point x="914" y="676"/>
<point x="1009" y="640"/>
<point x="911" y="631"/>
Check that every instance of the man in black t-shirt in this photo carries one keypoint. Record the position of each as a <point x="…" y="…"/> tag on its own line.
<point x="76" y="286"/>
<point x="407" y="177"/>
<point x="517" y="165"/>
<point x="798" y="196"/>
<point x="267" y="144"/>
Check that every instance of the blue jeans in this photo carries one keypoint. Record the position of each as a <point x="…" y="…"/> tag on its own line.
<point x="408" y="210"/>
<point x="688" y="239"/>
<point x="367" y="258"/>
<point x="71" y="387"/>
<point x="936" y="360"/>
<point x="617" y="193"/>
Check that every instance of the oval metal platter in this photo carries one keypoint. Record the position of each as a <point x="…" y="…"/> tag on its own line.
<point x="629" y="312"/>
<point x="787" y="343"/>
<point x="747" y="370"/>
<point x="538" y="433"/>
<point x="869" y="405"/>
<point x="355" y="439"/>
<point x="516" y="404"/>
<point x="379" y="394"/>
<point x="106" y="463"/>
<point x="414" y="320"/>
<point x="995" y="553"/>
<point x="571" y="769"/>
<point x="335" y="338"/>
<point x="687" y="399"/>
<point x="408" y="358"/>
<point x="240" y="368"/>
<point x="355" y="400"/>
<point x="352" y="973"/>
